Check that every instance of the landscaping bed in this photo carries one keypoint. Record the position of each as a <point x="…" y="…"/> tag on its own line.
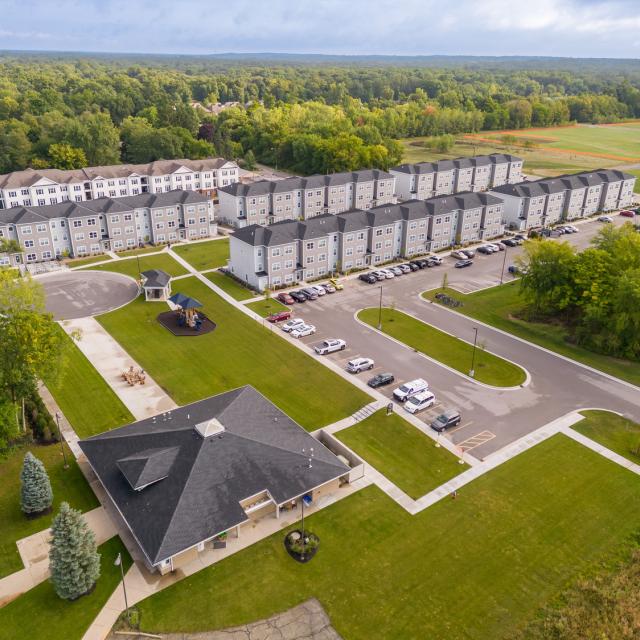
<point x="299" y="551"/>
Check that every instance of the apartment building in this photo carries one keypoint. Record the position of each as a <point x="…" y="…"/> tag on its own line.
<point x="445" y="177"/>
<point x="39" y="187"/>
<point x="95" y="226"/>
<point x="540" y="203"/>
<point x="290" y="251"/>
<point x="270" y="201"/>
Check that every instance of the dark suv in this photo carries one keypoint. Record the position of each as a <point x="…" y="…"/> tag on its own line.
<point x="446" y="420"/>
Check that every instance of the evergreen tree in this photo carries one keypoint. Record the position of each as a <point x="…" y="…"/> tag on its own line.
<point x="73" y="558"/>
<point x="35" y="494"/>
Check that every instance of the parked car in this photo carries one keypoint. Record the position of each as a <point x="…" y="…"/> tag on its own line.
<point x="605" y="219"/>
<point x="285" y="298"/>
<point x="388" y="274"/>
<point x="459" y="255"/>
<point x="470" y="253"/>
<point x="298" y="296"/>
<point x="509" y="242"/>
<point x="311" y="294"/>
<point x="280" y="316"/>
<point x="495" y="246"/>
<point x="413" y="266"/>
<point x="405" y="268"/>
<point x="417" y="264"/>
<point x="328" y="287"/>
<point x="336" y="284"/>
<point x="485" y="249"/>
<point x="369" y="278"/>
<point x="380" y="380"/>
<point x="513" y="270"/>
<point x="519" y="238"/>
<point x="420" y="401"/>
<point x="397" y="271"/>
<point x="446" y="420"/>
<point x="408" y="389"/>
<point x="625" y="213"/>
<point x="329" y="346"/>
<point x="302" y="331"/>
<point x="463" y="263"/>
<point x="292" y="324"/>
<point x="572" y="228"/>
<point x="422" y="263"/>
<point x="434" y="261"/>
<point x="378" y="275"/>
<point x="360" y="364"/>
<point x="319" y="289"/>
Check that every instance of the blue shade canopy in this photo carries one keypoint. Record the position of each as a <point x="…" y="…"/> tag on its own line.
<point x="185" y="301"/>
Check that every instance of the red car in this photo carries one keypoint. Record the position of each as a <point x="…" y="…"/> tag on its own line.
<point x="285" y="298"/>
<point x="627" y="214"/>
<point x="281" y="316"/>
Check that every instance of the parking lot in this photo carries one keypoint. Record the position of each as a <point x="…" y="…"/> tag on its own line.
<point x="491" y="418"/>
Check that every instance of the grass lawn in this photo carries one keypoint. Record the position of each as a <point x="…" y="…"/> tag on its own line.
<point x="477" y="567"/>
<point x="68" y="485"/>
<point x="86" y="400"/>
<point x="205" y="255"/>
<point x="238" y="352"/>
<point x="402" y="453"/>
<point x="612" y="431"/>
<point x="139" y="252"/>
<point x="267" y="307"/>
<point x="40" y="613"/>
<point x="445" y="348"/>
<point x="130" y="267"/>
<point x="496" y="307"/>
<point x="83" y="262"/>
<point x="230" y="286"/>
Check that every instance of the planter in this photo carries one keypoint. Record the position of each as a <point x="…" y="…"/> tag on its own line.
<point x="292" y="543"/>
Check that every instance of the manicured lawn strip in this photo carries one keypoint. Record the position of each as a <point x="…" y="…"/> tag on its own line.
<point x="238" y="352"/>
<point x="68" y="485"/>
<point x="475" y="568"/>
<point x="612" y="431"/>
<point x="40" y="613"/>
<point x="83" y="262"/>
<point x="489" y="368"/>
<point x="205" y="255"/>
<point x="139" y="252"/>
<point x="230" y="286"/>
<point x="496" y="307"/>
<point x="86" y="400"/>
<point x="267" y="307"/>
<point x="129" y="267"/>
<point x="402" y="453"/>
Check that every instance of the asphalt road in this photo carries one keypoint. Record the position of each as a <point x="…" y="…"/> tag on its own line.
<point x="491" y="418"/>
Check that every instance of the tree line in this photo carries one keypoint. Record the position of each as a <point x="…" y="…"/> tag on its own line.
<point x="69" y="112"/>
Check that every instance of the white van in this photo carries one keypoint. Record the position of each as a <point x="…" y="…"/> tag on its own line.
<point x="408" y="389"/>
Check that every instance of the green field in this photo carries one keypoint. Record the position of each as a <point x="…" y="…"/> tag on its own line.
<point x="497" y="306"/>
<point x="267" y="307"/>
<point x="140" y="251"/>
<point x="40" y="613"/>
<point x="86" y="400"/>
<point x="67" y="484"/>
<point x="129" y="267"/>
<point x="474" y="568"/>
<point x="230" y="286"/>
<point x="612" y="431"/>
<point x="445" y="348"/>
<point x="238" y="352"/>
<point x="205" y="255"/>
<point x="402" y="453"/>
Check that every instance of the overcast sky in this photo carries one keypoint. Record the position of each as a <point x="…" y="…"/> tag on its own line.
<point x="578" y="28"/>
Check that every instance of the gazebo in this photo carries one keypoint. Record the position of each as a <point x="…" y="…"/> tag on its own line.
<point x="187" y="314"/>
<point x="156" y="285"/>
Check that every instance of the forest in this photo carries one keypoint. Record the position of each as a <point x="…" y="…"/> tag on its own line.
<point x="67" y="112"/>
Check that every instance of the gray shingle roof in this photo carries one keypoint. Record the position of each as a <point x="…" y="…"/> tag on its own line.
<point x="156" y="278"/>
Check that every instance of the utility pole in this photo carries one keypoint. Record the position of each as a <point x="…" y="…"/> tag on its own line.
<point x="309" y="466"/>
<point x="118" y="563"/>
<point x="139" y="270"/>
<point x="473" y="356"/>
<point x="64" y="455"/>
<point x="504" y="261"/>
<point x="380" y="311"/>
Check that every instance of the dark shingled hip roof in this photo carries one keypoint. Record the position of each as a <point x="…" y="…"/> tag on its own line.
<point x="156" y="278"/>
<point x="194" y="485"/>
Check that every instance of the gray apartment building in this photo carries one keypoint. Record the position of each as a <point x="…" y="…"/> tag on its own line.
<point x="424" y="180"/>
<point x="39" y="187"/>
<point x="291" y="251"/>
<point x="94" y="226"/>
<point x="269" y="201"/>
<point x="540" y="203"/>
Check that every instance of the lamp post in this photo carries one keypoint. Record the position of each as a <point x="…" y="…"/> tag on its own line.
<point x="504" y="262"/>
<point x="309" y="466"/>
<point x="118" y="563"/>
<point x="380" y="311"/>
<point x="473" y="356"/>
<point x="139" y="270"/>
<point x="64" y="454"/>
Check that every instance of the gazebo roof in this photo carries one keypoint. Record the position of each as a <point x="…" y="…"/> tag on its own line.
<point x="185" y="301"/>
<point x="155" y="279"/>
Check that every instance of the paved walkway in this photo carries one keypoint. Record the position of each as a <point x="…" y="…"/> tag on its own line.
<point x="110" y="359"/>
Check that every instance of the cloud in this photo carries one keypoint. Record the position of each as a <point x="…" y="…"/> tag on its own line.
<point x="593" y="28"/>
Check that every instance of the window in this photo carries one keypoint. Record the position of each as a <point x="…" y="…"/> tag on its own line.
<point x="31" y="257"/>
<point x="77" y="223"/>
<point x="28" y="244"/>
<point x="276" y="266"/>
<point x="41" y="228"/>
<point x="91" y="222"/>
<point x="93" y="235"/>
<point x="275" y="252"/>
<point x="46" y="255"/>
<point x="128" y="217"/>
<point x="115" y="219"/>
<point x="44" y="242"/>
<point x="310" y="260"/>
<point x="309" y="245"/>
<point x="378" y="232"/>
<point x="79" y="236"/>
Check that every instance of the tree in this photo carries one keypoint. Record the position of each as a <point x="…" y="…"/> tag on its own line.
<point x="249" y="160"/>
<point x="64" y="156"/>
<point x="36" y="495"/>
<point x="73" y="558"/>
<point x="10" y="246"/>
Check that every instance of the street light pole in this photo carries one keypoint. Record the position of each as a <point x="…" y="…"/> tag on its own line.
<point x="504" y="261"/>
<point x="380" y="311"/>
<point x="118" y="563"/>
<point x="139" y="270"/>
<point x="309" y="466"/>
<point x="473" y="356"/>
<point x="64" y="454"/>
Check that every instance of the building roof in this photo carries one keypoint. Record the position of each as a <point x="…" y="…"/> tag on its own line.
<point x="155" y="279"/>
<point x="176" y="488"/>
<point x="460" y="163"/>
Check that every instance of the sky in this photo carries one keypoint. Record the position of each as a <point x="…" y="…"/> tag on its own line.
<point x="574" y="28"/>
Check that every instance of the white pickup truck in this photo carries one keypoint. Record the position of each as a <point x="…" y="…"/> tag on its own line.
<point x="329" y="346"/>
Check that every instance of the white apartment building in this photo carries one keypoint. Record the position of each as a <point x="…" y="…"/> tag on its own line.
<point x="39" y="187"/>
<point x="539" y="203"/>
<point x="268" y="201"/>
<point x="478" y="173"/>
<point x="105" y="224"/>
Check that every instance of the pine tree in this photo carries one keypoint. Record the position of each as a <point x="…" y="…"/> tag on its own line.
<point x="35" y="494"/>
<point x="73" y="558"/>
